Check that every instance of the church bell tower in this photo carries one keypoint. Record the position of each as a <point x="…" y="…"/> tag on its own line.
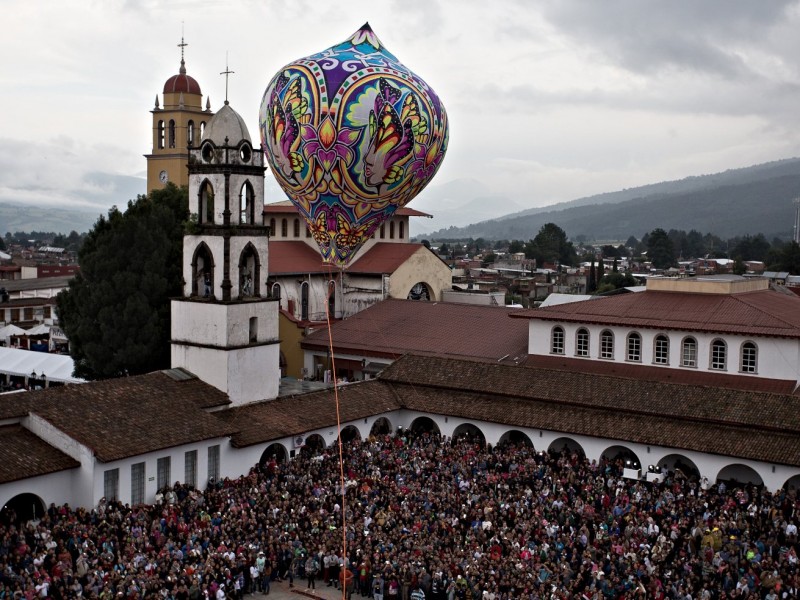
<point x="178" y="125"/>
<point x="225" y="327"/>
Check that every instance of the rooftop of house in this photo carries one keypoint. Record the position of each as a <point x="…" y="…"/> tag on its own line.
<point x="395" y="327"/>
<point x="130" y="416"/>
<point x="743" y="307"/>
<point x="122" y="417"/>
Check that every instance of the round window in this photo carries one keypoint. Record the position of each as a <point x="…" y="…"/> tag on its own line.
<point x="245" y="153"/>
<point x="208" y="152"/>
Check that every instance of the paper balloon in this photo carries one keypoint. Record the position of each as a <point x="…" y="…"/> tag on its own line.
<point x="351" y="135"/>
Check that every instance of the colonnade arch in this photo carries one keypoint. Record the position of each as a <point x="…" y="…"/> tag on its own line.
<point x="274" y="452"/>
<point x="350" y="433"/>
<point x="313" y="445"/>
<point x="470" y="432"/>
<point x="424" y="425"/>
<point x="622" y="453"/>
<point x="679" y="464"/>
<point x="738" y="474"/>
<point x="381" y="426"/>
<point x="21" y="508"/>
<point x="515" y="436"/>
<point x="568" y="445"/>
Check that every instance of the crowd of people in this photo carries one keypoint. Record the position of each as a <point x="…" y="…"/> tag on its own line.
<point x="421" y="517"/>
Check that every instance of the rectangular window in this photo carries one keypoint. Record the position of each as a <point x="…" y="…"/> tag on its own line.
<point x="689" y="354"/>
<point x="661" y="351"/>
<point x="749" y="358"/>
<point x="213" y="463"/>
<point x="607" y="345"/>
<point x="558" y="341"/>
<point x="634" y="348"/>
<point x="14" y="315"/>
<point x="582" y="343"/>
<point x="190" y="468"/>
<point x="163" y="472"/>
<point x="28" y="314"/>
<point x="718" y="358"/>
<point x="111" y="484"/>
<point x="137" y="484"/>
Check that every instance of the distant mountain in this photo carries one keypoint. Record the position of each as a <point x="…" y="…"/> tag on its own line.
<point x="755" y="199"/>
<point x="24" y="217"/>
<point x="458" y="203"/>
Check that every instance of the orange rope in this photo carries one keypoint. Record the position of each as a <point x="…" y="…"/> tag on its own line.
<point x="341" y="451"/>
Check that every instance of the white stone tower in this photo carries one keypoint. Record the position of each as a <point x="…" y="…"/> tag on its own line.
<point x="225" y="327"/>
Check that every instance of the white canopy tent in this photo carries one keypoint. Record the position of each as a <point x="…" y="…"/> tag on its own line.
<point x="9" y="330"/>
<point x="56" y="367"/>
<point x="40" y="329"/>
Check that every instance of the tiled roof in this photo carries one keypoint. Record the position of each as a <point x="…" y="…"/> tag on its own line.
<point x="290" y="415"/>
<point x="682" y="416"/>
<point x="759" y="313"/>
<point x="664" y="374"/>
<point x="393" y="327"/>
<point x="384" y="258"/>
<point x="286" y="206"/>
<point x="296" y="258"/>
<point x="117" y="418"/>
<point x="23" y="455"/>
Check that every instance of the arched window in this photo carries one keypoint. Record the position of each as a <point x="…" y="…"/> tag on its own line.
<point x="304" y="301"/>
<point x="634" y="349"/>
<point x="272" y="226"/>
<point x="383" y="231"/>
<point x="689" y="352"/>
<point x="206" y="203"/>
<point x="247" y="204"/>
<point x="190" y="133"/>
<point x="582" y="342"/>
<point x="308" y="231"/>
<point x="719" y="355"/>
<point x="249" y="272"/>
<point x="296" y="228"/>
<point x="284" y="228"/>
<point x="749" y="358"/>
<point x="661" y="350"/>
<point x="171" y="133"/>
<point x="607" y="345"/>
<point x="202" y="129"/>
<point x="391" y="230"/>
<point x="276" y="291"/>
<point x="401" y="230"/>
<point x="161" y="135"/>
<point x="557" y="340"/>
<point x="203" y="272"/>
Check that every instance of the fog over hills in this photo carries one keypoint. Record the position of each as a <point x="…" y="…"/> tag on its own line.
<point x="751" y="200"/>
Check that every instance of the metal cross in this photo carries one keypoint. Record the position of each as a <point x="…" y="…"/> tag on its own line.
<point x="226" y="72"/>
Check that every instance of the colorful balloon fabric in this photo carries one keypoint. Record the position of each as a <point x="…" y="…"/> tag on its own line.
<point x="351" y="135"/>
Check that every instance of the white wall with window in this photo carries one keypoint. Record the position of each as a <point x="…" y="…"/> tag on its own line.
<point x="767" y="357"/>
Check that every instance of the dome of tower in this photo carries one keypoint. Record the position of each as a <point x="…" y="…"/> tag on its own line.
<point x="227" y="123"/>
<point x="182" y="83"/>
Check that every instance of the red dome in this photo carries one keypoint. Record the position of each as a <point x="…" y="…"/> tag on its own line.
<point x="182" y="83"/>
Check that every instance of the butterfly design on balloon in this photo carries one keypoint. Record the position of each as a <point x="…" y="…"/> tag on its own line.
<point x="351" y="135"/>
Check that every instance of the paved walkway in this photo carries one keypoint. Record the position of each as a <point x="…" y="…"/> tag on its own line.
<point x="282" y="591"/>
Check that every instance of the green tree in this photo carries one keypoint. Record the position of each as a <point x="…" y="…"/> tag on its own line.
<point x="660" y="251"/>
<point x="614" y="281"/>
<point x="516" y="246"/>
<point x="786" y="258"/>
<point x="550" y="246"/>
<point x="116" y="311"/>
<point x="2" y="244"/>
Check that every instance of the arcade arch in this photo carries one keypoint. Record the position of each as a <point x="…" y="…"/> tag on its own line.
<point x="469" y="432"/>
<point x="678" y="463"/>
<point x="350" y="433"/>
<point x="738" y="474"/>
<point x="515" y="436"/>
<point x="565" y="444"/>
<point x="424" y="425"/>
<point x="623" y="455"/>
<point x="381" y="426"/>
<point x="21" y="508"/>
<point x="276" y="452"/>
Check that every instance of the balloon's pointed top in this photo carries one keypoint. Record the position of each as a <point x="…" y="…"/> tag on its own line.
<point x="365" y="35"/>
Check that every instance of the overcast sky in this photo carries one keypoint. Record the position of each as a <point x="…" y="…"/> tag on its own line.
<point x="548" y="100"/>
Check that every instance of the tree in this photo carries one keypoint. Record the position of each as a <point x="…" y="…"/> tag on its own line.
<point x="659" y="249"/>
<point x="2" y="244"/>
<point x="786" y="258"/>
<point x="116" y="311"/>
<point x="516" y="246"/>
<point x="550" y="246"/>
<point x="614" y="281"/>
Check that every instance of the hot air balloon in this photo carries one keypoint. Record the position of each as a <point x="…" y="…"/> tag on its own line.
<point x="351" y="135"/>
